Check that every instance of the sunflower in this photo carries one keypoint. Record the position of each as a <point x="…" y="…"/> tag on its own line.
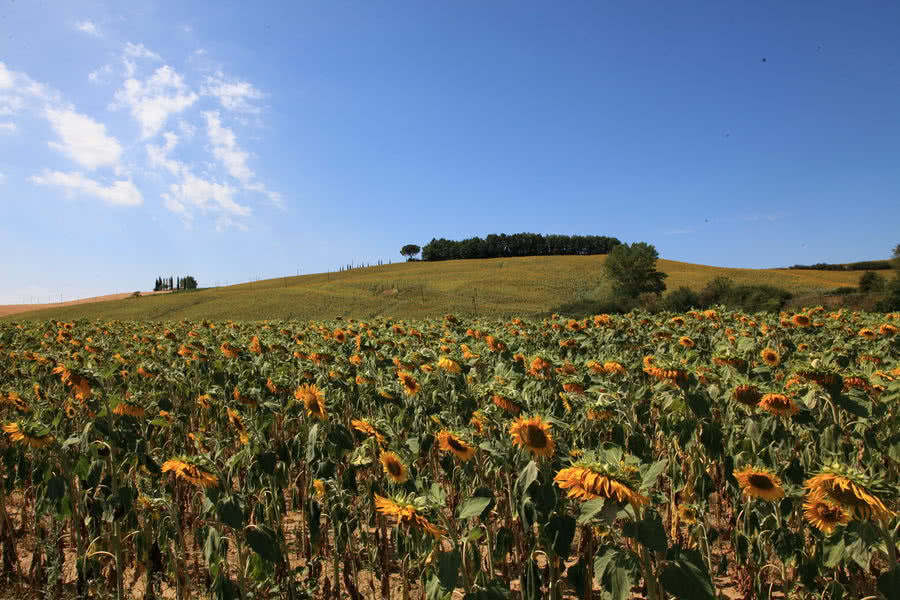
<point x="129" y="408"/>
<point x="801" y="320"/>
<point x="229" y="351"/>
<point x="185" y="469"/>
<point x="406" y="514"/>
<point x="747" y="395"/>
<point x="759" y="483"/>
<point x="779" y="404"/>
<point x="394" y="467"/>
<point x="850" y="490"/>
<point x="235" y="420"/>
<point x="534" y="434"/>
<point x="770" y="357"/>
<point x="451" y="442"/>
<point x="319" y="486"/>
<point x="256" y="346"/>
<point x="686" y="342"/>
<point x="29" y="435"/>
<point x="478" y="423"/>
<point x="824" y="515"/>
<point x="887" y="329"/>
<point x="411" y="387"/>
<point x="506" y="404"/>
<point x="611" y="367"/>
<point x="587" y="481"/>
<point x="449" y="365"/>
<point x="867" y="333"/>
<point x="313" y="399"/>
<point x="363" y="426"/>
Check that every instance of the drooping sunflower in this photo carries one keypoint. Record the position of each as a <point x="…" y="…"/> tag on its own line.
<point x="801" y="320"/>
<point x="851" y="490"/>
<point x="313" y="400"/>
<point x="823" y="515"/>
<point x="746" y="394"/>
<point x="229" y="351"/>
<point x="760" y="483"/>
<point x="35" y="436"/>
<point x="184" y="468"/>
<point x="406" y="514"/>
<point x="867" y="333"/>
<point x="506" y="404"/>
<point x="394" y="467"/>
<point x="534" y="434"/>
<point x="778" y="404"/>
<point x="451" y="442"/>
<point x="410" y="386"/>
<point x="129" y="408"/>
<point x="363" y="426"/>
<point x="586" y="481"/>
<point x="686" y="342"/>
<point x="235" y="420"/>
<point x="319" y="486"/>
<point x="478" y="422"/>
<point x="449" y="365"/>
<point x="771" y="357"/>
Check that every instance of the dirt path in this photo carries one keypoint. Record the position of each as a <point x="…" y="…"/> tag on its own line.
<point x="11" y="309"/>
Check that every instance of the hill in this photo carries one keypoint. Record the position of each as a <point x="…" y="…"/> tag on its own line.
<point x="487" y="287"/>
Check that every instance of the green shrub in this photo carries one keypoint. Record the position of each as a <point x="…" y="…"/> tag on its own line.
<point x="682" y="300"/>
<point x="871" y="282"/>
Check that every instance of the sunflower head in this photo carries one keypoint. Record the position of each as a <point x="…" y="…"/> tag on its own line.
<point x="449" y="365"/>
<point x="393" y="467"/>
<point x="759" y="483"/>
<point x="781" y="405"/>
<point x="770" y="357"/>
<point x="590" y="478"/>
<point x="30" y="434"/>
<point x="824" y="515"/>
<point x="191" y="470"/>
<point x="860" y="495"/>
<point x="801" y="320"/>
<point x="313" y="400"/>
<point x="686" y="342"/>
<point x="449" y="441"/>
<point x="409" y="384"/>
<point x="533" y="433"/>
<point x="407" y="512"/>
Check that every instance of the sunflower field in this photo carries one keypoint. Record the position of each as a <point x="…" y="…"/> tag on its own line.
<point x="700" y="456"/>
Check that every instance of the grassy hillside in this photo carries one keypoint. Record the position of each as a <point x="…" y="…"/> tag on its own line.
<point x="496" y="287"/>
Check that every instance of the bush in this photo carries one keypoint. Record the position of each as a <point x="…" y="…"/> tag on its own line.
<point x="891" y="300"/>
<point x="871" y="282"/>
<point x="715" y="291"/>
<point x="682" y="300"/>
<point x="843" y="291"/>
<point x="632" y="270"/>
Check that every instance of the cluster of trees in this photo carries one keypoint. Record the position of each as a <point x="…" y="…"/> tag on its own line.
<point x="175" y="283"/>
<point x="517" y="244"/>
<point x="865" y="265"/>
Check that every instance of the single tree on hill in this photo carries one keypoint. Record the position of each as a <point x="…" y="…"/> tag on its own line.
<point x="409" y="251"/>
<point x="632" y="269"/>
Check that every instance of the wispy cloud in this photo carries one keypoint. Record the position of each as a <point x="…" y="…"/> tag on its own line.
<point x="83" y="139"/>
<point x="154" y="99"/>
<point x="118" y="193"/>
<point x="7" y="127"/>
<point x="89" y="27"/>
<point x="233" y="95"/>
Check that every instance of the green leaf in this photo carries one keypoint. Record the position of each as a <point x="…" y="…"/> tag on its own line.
<point x="448" y="569"/>
<point x="263" y="541"/>
<point x="527" y="476"/>
<point x="620" y="579"/>
<point x="473" y="507"/>
<point x="687" y="581"/>
<point x="230" y="513"/>
<point x="560" y="532"/>
<point x="651" y="532"/>
<point x="652" y="474"/>
<point x="590" y="509"/>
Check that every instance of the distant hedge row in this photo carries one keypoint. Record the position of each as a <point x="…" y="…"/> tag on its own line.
<point x="518" y="244"/>
<point x="866" y="265"/>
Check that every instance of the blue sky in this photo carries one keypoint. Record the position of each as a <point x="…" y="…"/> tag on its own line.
<point x="236" y="140"/>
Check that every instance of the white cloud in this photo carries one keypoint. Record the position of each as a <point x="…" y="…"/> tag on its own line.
<point x="233" y="158"/>
<point x="226" y="149"/>
<point x="204" y="195"/>
<point x="101" y="75"/>
<point x="118" y="193"/>
<point x="88" y="27"/>
<point x="6" y="77"/>
<point x="83" y="140"/>
<point x="7" y="127"/>
<point x="2" y="178"/>
<point x="232" y="95"/>
<point x="152" y="101"/>
<point x="158" y="156"/>
<point x="140" y="51"/>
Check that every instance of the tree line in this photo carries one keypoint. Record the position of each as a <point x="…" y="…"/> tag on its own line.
<point x="517" y="244"/>
<point x="175" y="283"/>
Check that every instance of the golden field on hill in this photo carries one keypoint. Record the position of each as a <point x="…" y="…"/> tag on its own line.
<point x="485" y="287"/>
